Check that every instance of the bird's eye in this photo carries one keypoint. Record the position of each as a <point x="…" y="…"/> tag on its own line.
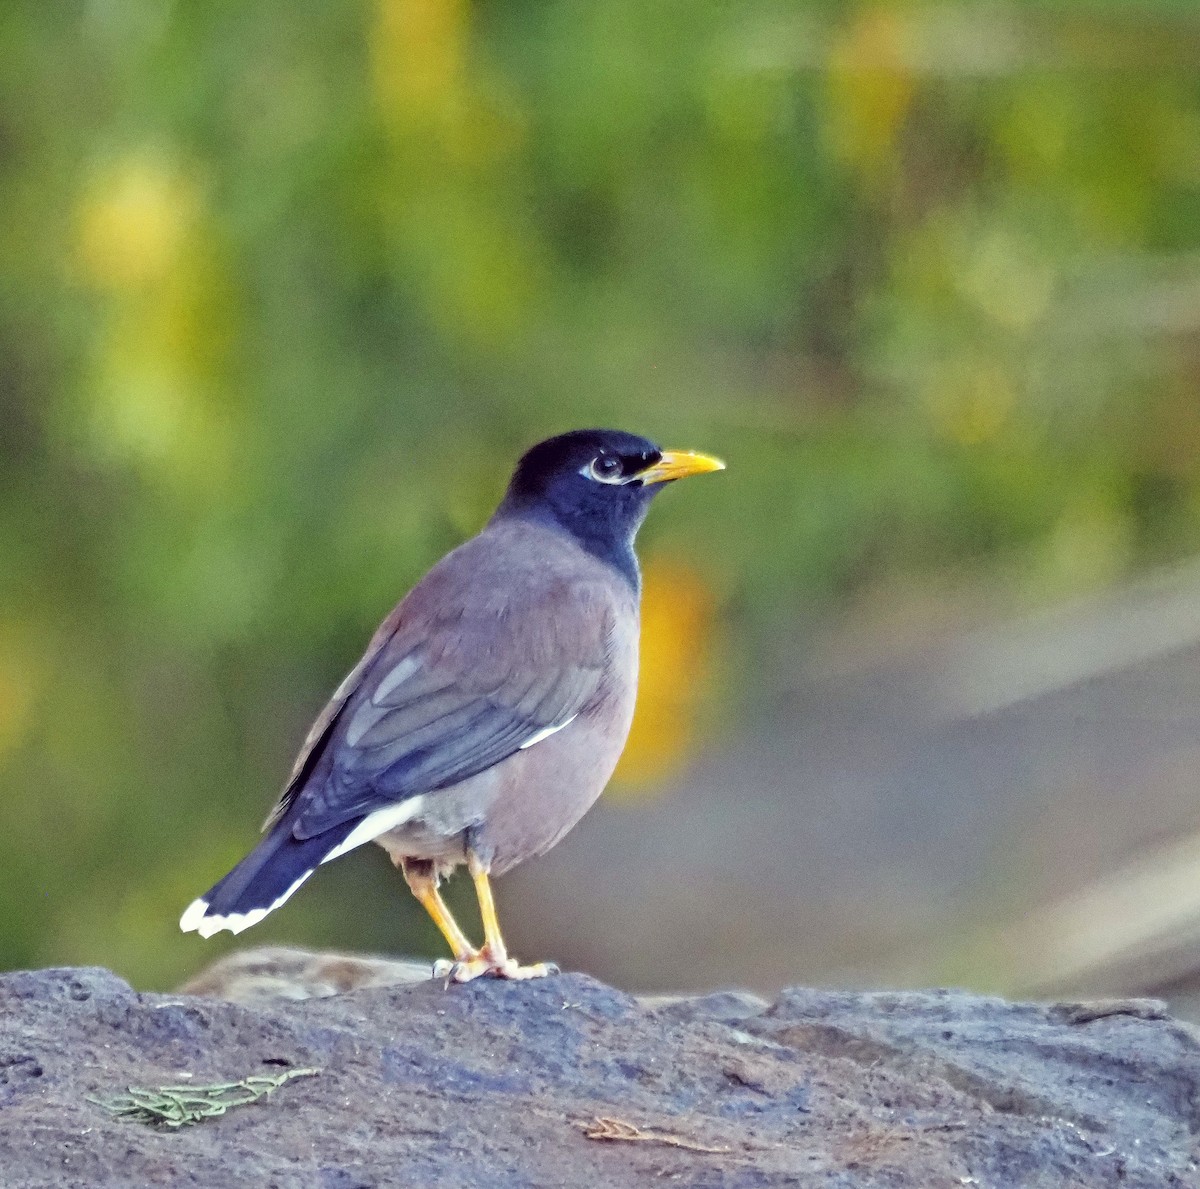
<point x="607" y="468"/>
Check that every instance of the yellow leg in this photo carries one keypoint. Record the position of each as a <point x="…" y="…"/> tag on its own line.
<point x="424" y="887"/>
<point x="493" y="959"/>
<point x="493" y="940"/>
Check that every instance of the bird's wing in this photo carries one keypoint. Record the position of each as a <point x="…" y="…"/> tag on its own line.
<point x="319" y="732"/>
<point x="458" y="686"/>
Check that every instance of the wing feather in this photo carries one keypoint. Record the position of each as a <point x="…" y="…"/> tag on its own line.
<point x="455" y="681"/>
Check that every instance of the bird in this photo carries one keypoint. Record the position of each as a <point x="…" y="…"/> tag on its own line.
<point x="490" y="707"/>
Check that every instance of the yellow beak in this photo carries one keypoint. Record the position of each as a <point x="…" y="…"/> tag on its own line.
<point x="678" y="464"/>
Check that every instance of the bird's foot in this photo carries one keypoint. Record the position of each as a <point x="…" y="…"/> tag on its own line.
<point x="463" y="970"/>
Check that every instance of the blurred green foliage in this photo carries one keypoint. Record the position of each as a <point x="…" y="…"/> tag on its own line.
<point x="284" y="288"/>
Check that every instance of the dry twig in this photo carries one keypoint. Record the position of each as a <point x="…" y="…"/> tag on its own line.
<point x="604" y="1128"/>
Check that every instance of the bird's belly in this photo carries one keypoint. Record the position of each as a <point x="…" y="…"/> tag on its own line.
<point x="519" y="808"/>
<point x="442" y="819"/>
<point x="546" y="790"/>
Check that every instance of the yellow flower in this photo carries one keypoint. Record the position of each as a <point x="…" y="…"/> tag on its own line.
<point x="677" y="628"/>
<point x="133" y="223"/>
<point x="871" y="89"/>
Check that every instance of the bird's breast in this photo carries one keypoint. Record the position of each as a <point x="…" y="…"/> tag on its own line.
<point x="543" y="791"/>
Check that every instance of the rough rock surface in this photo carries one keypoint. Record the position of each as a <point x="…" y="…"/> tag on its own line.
<point x="498" y="1084"/>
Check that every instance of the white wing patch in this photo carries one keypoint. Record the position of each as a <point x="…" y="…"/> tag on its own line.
<point x="379" y="822"/>
<point x="195" y="918"/>
<point x="546" y="732"/>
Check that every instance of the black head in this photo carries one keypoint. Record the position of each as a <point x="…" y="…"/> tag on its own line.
<point x="597" y="484"/>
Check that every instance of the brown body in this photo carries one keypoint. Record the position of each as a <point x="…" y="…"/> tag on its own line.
<point x="523" y="805"/>
<point x="490" y="707"/>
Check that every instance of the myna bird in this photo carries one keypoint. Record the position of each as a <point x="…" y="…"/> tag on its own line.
<point x="490" y="707"/>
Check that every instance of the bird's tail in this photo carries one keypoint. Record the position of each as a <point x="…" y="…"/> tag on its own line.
<point x="262" y="881"/>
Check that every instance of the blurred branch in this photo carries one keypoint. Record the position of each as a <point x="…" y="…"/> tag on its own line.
<point x="979" y="41"/>
<point x="1131" y="931"/>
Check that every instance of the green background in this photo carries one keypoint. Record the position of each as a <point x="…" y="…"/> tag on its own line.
<point x="285" y="288"/>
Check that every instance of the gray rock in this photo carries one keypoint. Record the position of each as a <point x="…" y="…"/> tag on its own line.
<point x="267" y="972"/>
<point x="566" y="1082"/>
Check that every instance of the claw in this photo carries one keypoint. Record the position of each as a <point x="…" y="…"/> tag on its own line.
<point x="470" y="963"/>
<point x="444" y="969"/>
